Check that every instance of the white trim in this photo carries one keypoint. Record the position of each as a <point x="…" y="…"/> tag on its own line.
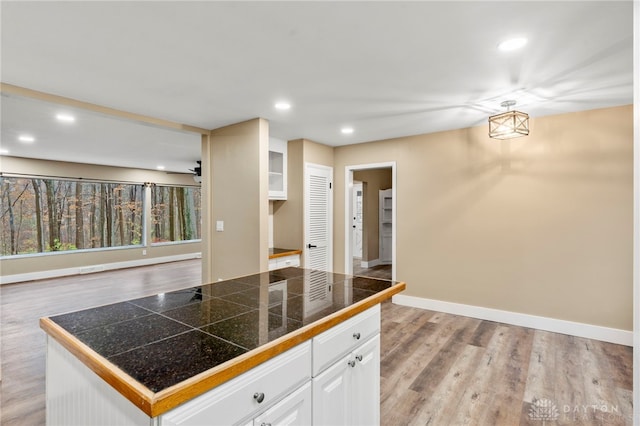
<point x="370" y="263"/>
<point x="78" y="270"/>
<point x="589" y="331"/>
<point x="348" y="212"/>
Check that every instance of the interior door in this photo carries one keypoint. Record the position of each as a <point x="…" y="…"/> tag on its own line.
<point x="357" y="220"/>
<point x="318" y="205"/>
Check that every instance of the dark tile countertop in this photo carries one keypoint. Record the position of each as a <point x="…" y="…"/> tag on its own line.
<point x="163" y="340"/>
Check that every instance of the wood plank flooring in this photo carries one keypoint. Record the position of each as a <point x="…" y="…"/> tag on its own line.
<point x="22" y="397"/>
<point x="382" y="272"/>
<point x="442" y="369"/>
<point x="436" y="368"/>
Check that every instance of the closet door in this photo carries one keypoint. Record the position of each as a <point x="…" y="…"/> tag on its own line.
<point x="318" y="210"/>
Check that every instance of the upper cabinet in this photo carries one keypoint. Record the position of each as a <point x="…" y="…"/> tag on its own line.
<point x="277" y="169"/>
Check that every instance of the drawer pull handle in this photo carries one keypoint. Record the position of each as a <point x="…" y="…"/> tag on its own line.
<point x="265" y="424"/>
<point x="351" y="363"/>
<point x="359" y="358"/>
<point x="258" y="396"/>
<point x="356" y="336"/>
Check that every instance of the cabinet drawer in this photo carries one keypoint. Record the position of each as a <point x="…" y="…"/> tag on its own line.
<point x="335" y="343"/>
<point x="273" y="264"/>
<point x="284" y="262"/>
<point x="288" y="261"/>
<point x="234" y="401"/>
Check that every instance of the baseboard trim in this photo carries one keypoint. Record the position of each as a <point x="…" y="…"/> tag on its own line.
<point x="589" y="331"/>
<point x="369" y="263"/>
<point x="88" y="269"/>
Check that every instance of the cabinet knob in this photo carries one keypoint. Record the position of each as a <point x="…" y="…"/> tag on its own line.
<point x="356" y="336"/>
<point x="359" y="358"/>
<point x="351" y="363"/>
<point x="258" y="396"/>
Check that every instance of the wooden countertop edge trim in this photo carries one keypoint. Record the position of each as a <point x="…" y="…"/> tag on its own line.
<point x="155" y="404"/>
<point x="128" y="387"/>
<point x="285" y="253"/>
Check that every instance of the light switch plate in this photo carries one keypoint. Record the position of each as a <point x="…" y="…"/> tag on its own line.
<point x="219" y="225"/>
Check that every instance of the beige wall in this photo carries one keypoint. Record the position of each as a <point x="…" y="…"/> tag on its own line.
<point x="58" y="261"/>
<point x="239" y="197"/>
<point x="288" y="216"/>
<point x="373" y="181"/>
<point x="540" y="225"/>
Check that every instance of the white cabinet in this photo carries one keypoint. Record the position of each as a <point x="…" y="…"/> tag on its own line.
<point x="346" y="378"/>
<point x="365" y="379"/>
<point x="243" y="398"/>
<point x="293" y="410"/>
<point x="348" y="392"/>
<point x="284" y="262"/>
<point x="331" y="394"/>
<point x="386" y="226"/>
<point x="277" y="169"/>
<point x="332" y="379"/>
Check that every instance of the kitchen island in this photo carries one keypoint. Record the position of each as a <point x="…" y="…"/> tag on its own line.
<point x="292" y="344"/>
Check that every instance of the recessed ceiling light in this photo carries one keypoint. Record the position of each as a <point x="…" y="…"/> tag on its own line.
<point x="67" y="118"/>
<point x="347" y="130"/>
<point x="4" y="151"/>
<point x="26" y="138"/>
<point x="512" y="44"/>
<point x="283" y="106"/>
<point x="160" y="167"/>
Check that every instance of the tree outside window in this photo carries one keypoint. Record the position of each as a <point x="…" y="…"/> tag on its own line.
<point x="175" y="213"/>
<point x="48" y="215"/>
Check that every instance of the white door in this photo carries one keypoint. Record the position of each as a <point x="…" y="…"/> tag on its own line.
<point x="318" y="205"/>
<point x="332" y="395"/>
<point x="357" y="219"/>
<point x="366" y="384"/>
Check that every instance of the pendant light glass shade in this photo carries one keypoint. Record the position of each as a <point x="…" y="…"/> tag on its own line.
<point x="510" y="124"/>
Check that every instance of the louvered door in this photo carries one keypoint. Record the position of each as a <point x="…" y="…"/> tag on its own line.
<point x="318" y="210"/>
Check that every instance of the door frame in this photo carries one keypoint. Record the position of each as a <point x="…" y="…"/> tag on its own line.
<point x="348" y="212"/>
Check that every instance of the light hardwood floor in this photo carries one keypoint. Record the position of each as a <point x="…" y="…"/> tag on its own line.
<point x="379" y="271"/>
<point x="436" y="369"/>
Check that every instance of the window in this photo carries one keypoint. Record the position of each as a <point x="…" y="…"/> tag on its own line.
<point x="175" y="213"/>
<point x="46" y="215"/>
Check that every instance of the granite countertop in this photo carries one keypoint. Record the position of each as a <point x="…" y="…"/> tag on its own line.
<point x="275" y="252"/>
<point x="157" y="343"/>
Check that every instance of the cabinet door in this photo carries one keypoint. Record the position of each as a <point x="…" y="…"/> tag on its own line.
<point x="277" y="169"/>
<point x="332" y="395"/>
<point x="365" y="383"/>
<point x="294" y="410"/>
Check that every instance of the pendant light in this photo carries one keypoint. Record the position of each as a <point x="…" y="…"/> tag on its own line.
<point x="510" y="124"/>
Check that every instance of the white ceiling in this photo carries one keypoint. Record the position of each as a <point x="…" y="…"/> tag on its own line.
<point x="387" y="69"/>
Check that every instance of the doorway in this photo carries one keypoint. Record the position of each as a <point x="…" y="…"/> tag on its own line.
<point x="375" y="214"/>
